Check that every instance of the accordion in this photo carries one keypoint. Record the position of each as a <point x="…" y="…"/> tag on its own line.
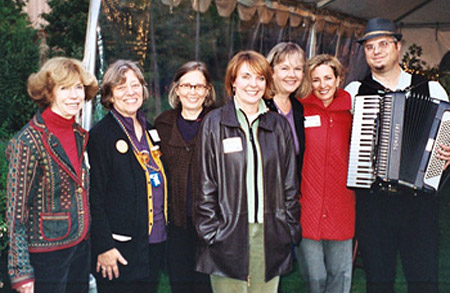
<point x="394" y="142"/>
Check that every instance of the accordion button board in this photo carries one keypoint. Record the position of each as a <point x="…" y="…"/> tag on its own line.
<point x="435" y="165"/>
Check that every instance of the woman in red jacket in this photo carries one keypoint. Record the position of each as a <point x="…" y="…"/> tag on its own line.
<point x="328" y="207"/>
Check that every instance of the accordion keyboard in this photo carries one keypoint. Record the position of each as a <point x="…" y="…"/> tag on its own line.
<point x="361" y="173"/>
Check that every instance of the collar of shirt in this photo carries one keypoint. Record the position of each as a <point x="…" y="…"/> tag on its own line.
<point x="243" y="118"/>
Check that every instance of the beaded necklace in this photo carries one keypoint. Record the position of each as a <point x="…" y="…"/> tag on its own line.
<point x="144" y="162"/>
<point x="143" y="156"/>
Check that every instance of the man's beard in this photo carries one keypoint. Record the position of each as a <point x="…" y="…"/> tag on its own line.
<point x="380" y="68"/>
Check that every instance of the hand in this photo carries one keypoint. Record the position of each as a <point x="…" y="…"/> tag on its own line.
<point x="107" y="263"/>
<point x="26" y="288"/>
<point x="444" y="153"/>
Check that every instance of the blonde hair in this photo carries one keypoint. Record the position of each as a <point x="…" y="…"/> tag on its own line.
<point x="59" y="71"/>
<point x="115" y="75"/>
<point x="257" y="63"/>
<point x="281" y="50"/>
<point x="210" y="99"/>
<point x="312" y="64"/>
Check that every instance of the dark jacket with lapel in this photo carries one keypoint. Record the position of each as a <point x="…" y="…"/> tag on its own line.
<point x="221" y="214"/>
<point x="119" y="203"/>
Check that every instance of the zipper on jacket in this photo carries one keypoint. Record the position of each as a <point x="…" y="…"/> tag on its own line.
<point x="255" y="172"/>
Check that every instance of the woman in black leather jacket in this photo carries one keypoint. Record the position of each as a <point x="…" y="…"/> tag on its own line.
<point x="248" y="213"/>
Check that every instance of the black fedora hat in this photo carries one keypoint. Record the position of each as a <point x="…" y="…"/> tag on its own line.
<point x="378" y="27"/>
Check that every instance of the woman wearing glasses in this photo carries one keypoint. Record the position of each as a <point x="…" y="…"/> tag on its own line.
<point x="191" y="96"/>
<point x="128" y="188"/>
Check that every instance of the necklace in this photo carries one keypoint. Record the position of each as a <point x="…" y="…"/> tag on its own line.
<point x="143" y="156"/>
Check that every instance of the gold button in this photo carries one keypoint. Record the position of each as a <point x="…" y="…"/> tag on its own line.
<point x="80" y="190"/>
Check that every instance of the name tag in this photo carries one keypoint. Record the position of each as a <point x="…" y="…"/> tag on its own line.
<point x="155" y="179"/>
<point x="231" y="145"/>
<point x="312" y="121"/>
<point x="155" y="136"/>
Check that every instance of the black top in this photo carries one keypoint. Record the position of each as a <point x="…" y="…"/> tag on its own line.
<point x="299" y="118"/>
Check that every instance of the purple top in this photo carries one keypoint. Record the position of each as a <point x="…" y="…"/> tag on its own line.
<point x="290" y="117"/>
<point x="158" y="233"/>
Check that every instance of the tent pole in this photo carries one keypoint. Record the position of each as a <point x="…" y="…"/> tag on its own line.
<point x="90" y="47"/>
<point x="338" y="44"/>
<point x="197" y="33"/>
<point x="312" y="42"/>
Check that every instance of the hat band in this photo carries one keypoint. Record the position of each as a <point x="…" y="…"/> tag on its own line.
<point x="378" y="32"/>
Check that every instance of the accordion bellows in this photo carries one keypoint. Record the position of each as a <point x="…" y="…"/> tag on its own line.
<point x="394" y="142"/>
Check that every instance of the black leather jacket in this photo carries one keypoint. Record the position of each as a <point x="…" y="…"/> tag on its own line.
<point x="221" y="214"/>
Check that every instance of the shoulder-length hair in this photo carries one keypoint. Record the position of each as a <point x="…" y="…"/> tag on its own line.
<point x="174" y="101"/>
<point x="281" y="50"/>
<point x="312" y="64"/>
<point x="257" y="63"/>
<point x="59" y="71"/>
<point x="115" y="75"/>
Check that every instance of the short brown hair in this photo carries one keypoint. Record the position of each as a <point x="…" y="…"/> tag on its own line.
<point x="312" y="64"/>
<point x="115" y="75"/>
<point x="59" y="71"/>
<point x="174" y="101"/>
<point x="257" y="63"/>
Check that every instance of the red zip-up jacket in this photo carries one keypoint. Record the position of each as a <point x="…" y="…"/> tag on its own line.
<point x="328" y="207"/>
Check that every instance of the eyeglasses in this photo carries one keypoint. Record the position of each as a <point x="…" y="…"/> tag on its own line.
<point x="200" y="89"/>
<point x="383" y="45"/>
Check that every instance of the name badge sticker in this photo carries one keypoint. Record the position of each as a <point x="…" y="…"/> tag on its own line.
<point x="231" y="145"/>
<point x="312" y="121"/>
<point x="155" y="136"/>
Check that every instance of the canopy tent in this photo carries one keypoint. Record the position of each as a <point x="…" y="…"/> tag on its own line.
<point x="162" y="34"/>
<point x="424" y="22"/>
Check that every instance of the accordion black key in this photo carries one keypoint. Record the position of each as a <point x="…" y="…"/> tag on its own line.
<point x="394" y="142"/>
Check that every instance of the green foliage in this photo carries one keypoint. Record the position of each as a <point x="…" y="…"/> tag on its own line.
<point x="411" y="59"/>
<point x="412" y="63"/>
<point x="3" y="172"/>
<point x="19" y="57"/>
<point x="67" y="27"/>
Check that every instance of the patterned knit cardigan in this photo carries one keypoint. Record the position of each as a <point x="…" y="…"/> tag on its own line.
<point x="47" y="203"/>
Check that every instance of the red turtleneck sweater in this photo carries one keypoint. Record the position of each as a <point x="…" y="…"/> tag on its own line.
<point x="62" y="128"/>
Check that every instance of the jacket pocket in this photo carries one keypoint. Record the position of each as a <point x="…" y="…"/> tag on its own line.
<point x="54" y="226"/>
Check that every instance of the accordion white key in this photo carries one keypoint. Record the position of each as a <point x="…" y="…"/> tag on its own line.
<point x="394" y="142"/>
